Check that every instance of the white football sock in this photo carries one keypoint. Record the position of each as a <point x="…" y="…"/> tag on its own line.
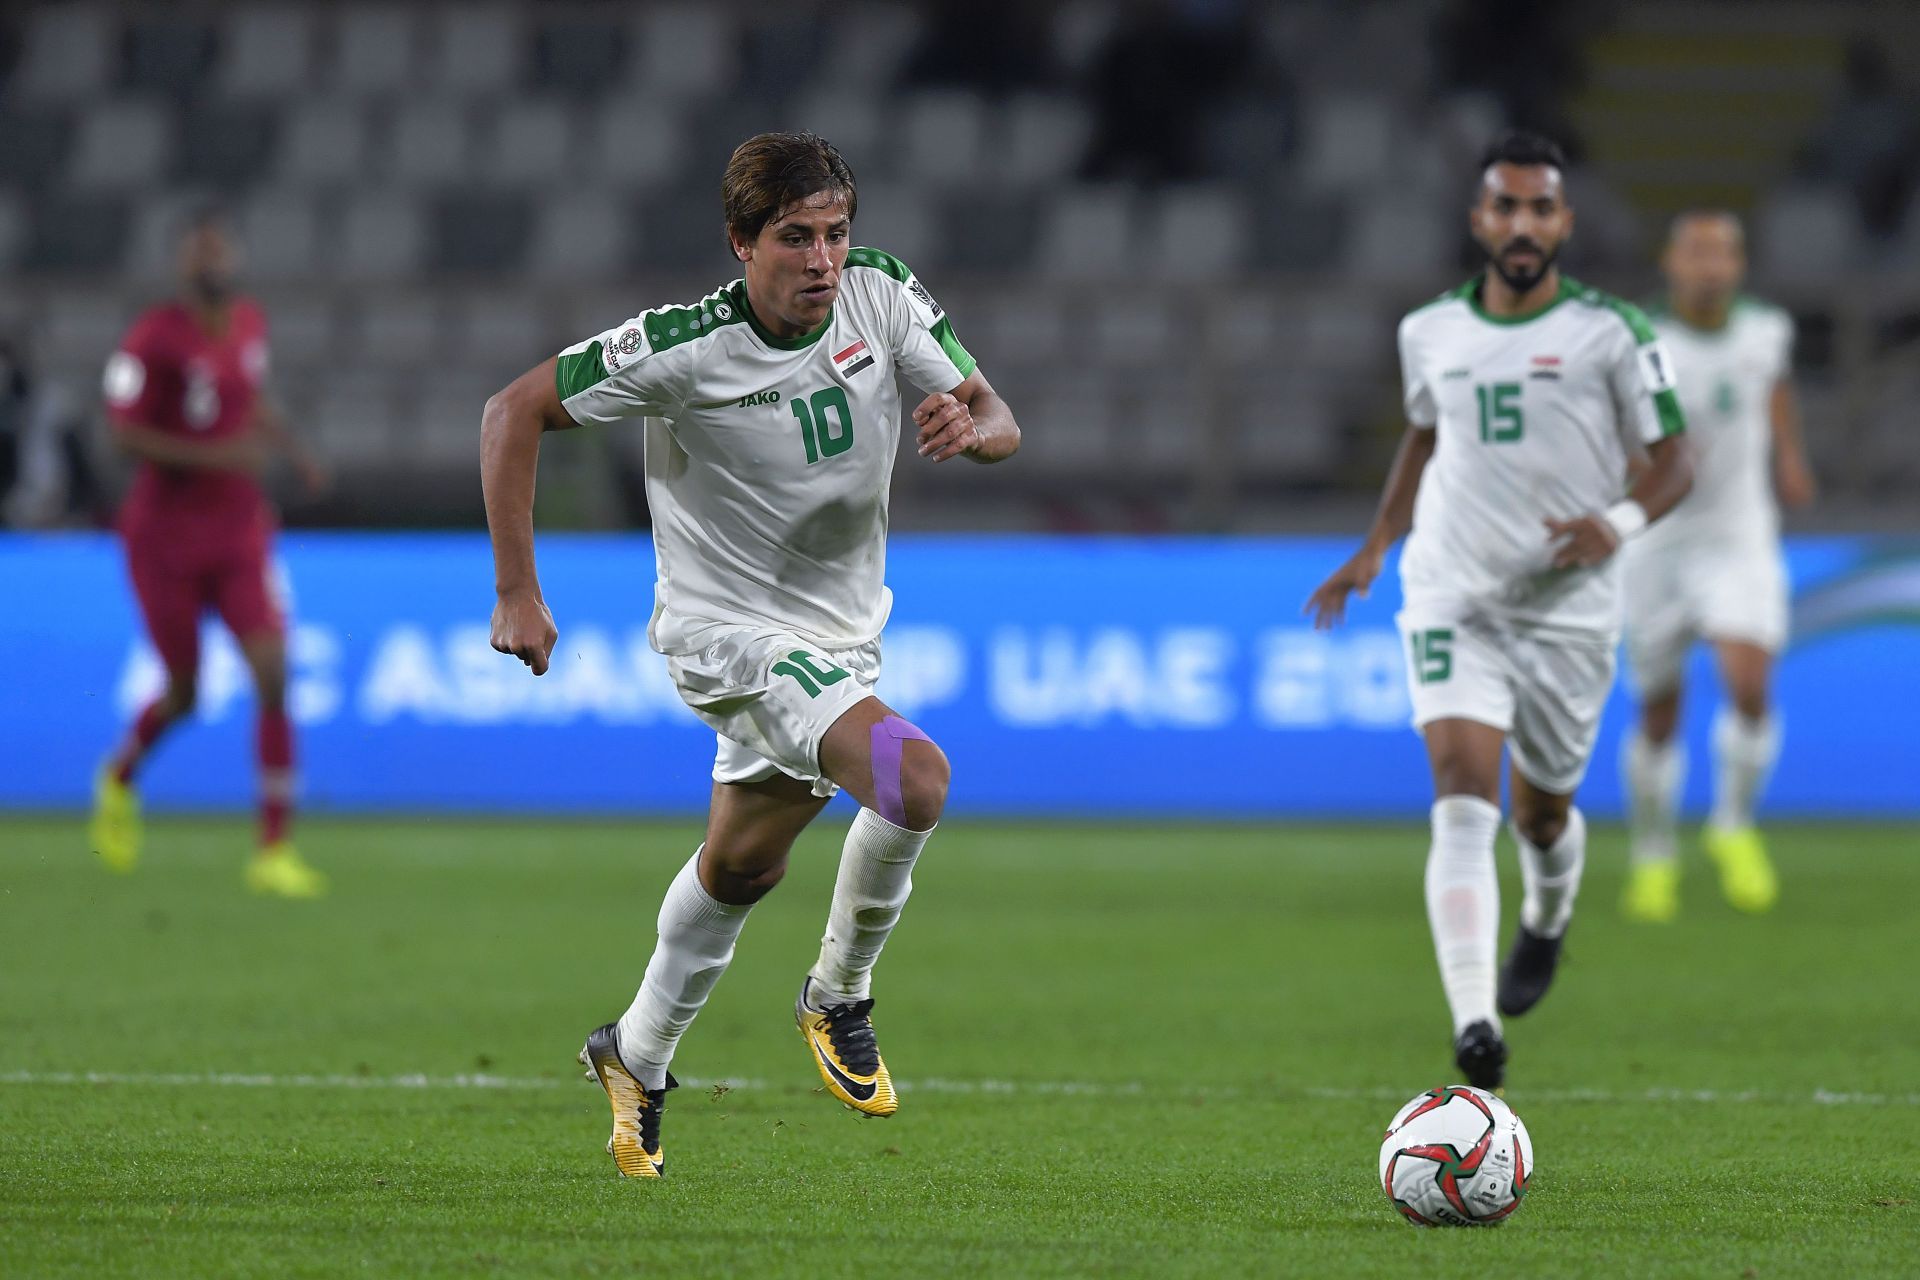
<point x="1654" y="773"/>
<point x="697" y="933"/>
<point x="876" y="875"/>
<point x="1743" y="754"/>
<point x="1552" y="877"/>
<point x="1463" y="905"/>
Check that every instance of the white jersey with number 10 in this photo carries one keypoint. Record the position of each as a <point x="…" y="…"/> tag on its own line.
<point x="769" y="459"/>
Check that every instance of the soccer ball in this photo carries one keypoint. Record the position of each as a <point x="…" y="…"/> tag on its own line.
<point x="1456" y="1157"/>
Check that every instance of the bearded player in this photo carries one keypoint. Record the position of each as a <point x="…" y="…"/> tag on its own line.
<point x="1713" y="570"/>
<point x="186" y="392"/>
<point x="1526" y="395"/>
<point x="771" y="423"/>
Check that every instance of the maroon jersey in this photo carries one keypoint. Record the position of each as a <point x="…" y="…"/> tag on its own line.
<point x="172" y="375"/>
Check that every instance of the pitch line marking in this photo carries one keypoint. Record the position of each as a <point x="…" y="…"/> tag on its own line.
<point x="937" y="1084"/>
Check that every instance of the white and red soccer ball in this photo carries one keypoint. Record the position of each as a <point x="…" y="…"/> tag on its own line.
<point x="1456" y="1157"/>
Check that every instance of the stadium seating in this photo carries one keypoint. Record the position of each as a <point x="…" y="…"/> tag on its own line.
<point x="426" y="189"/>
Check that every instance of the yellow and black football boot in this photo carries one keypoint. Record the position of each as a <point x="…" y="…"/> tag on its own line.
<point x="840" y="1038"/>
<point x="635" y="1144"/>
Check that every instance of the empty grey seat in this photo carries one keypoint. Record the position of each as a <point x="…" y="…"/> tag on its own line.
<point x="1087" y="232"/>
<point x="399" y="330"/>
<point x="688" y="48"/>
<point x="1041" y="138"/>
<point x="579" y="55"/>
<point x="480" y="231"/>
<point x="86" y="325"/>
<point x="155" y="222"/>
<point x="499" y="330"/>
<point x="66" y="52"/>
<point x="77" y="234"/>
<point x="1196" y="233"/>
<point x="166" y="55"/>
<point x="636" y="142"/>
<point x="475" y="49"/>
<point x="374" y="50"/>
<point x="34" y="142"/>
<point x="429" y="142"/>
<point x="899" y="219"/>
<point x="121" y="144"/>
<point x="223" y="144"/>
<point x="579" y="233"/>
<point x="323" y="141"/>
<point x="15" y="227"/>
<point x="379" y="236"/>
<point x="943" y="137"/>
<point x="281" y="232"/>
<point x="530" y="141"/>
<point x="267" y="51"/>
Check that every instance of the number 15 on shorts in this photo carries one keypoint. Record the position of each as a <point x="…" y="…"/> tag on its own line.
<point x="1432" y="654"/>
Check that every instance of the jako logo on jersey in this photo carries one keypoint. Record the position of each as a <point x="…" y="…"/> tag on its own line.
<point x="1545" y="368"/>
<point x="853" y="359"/>
<point x="1456" y="373"/>
<point x="758" y="397"/>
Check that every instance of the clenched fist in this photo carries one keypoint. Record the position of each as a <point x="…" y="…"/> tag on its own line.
<point x="523" y="627"/>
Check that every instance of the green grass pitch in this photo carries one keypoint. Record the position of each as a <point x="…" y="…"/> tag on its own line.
<point x="1146" y="1050"/>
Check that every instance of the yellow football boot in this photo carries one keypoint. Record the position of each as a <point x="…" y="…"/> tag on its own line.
<point x="1653" y="892"/>
<point x="279" y="870"/>
<point x="840" y="1037"/>
<point x="635" y="1144"/>
<point x="1746" y="874"/>
<point x="115" y="829"/>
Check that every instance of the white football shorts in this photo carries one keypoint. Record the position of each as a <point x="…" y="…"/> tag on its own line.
<point x="771" y="696"/>
<point x="1544" y="689"/>
<point x="1681" y="593"/>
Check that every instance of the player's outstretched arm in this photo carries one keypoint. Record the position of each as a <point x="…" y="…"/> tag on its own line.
<point x="1792" y="476"/>
<point x="277" y="435"/>
<point x="510" y="430"/>
<point x="970" y="421"/>
<point x="1327" y="606"/>
<point x="150" y="444"/>
<point x="1587" y="540"/>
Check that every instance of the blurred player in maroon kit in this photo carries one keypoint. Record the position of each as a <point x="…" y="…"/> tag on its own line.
<point x="185" y="392"/>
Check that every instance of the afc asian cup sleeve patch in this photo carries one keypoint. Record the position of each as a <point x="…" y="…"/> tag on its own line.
<point x="1656" y="368"/>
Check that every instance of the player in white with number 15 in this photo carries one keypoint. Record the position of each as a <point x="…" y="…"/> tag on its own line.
<point x="772" y="422"/>
<point x="1527" y="395"/>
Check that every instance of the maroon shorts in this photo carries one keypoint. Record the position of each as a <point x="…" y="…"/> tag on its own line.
<point x="175" y="590"/>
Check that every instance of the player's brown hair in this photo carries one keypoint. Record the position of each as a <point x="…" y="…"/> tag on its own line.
<point x="769" y="173"/>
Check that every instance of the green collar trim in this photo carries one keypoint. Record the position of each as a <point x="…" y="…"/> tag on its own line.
<point x="1470" y="291"/>
<point x="761" y="331"/>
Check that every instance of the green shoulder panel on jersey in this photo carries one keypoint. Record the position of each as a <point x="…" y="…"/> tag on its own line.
<point x="1633" y="317"/>
<point x="882" y="261"/>
<point x="1665" y="403"/>
<point x="581" y="367"/>
<point x="879" y="260"/>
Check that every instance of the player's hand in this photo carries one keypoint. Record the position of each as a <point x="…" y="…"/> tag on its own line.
<point x="946" y="427"/>
<point x="1582" y="542"/>
<point x="523" y="627"/>
<point x="1794" y="480"/>
<point x="1327" y="606"/>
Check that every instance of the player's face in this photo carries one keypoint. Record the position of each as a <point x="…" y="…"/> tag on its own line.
<point x="1705" y="260"/>
<point x="209" y="261"/>
<point x="1521" y="220"/>
<point x="793" y="265"/>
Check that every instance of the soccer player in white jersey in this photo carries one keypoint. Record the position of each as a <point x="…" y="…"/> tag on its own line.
<point x="772" y="422"/>
<point x="1526" y="395"/>
<point x="1713" y="571"/>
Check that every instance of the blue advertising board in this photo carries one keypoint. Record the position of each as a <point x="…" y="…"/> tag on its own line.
<point x="1063" y="676"/>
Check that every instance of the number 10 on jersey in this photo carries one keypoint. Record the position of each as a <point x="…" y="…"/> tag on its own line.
<point x="822" y="435"/>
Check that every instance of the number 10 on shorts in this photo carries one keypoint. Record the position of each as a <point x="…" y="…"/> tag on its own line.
<point x="1432" y="654"/>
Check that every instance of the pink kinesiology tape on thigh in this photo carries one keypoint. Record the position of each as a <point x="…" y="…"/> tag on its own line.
<point x="889" y="735"/>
